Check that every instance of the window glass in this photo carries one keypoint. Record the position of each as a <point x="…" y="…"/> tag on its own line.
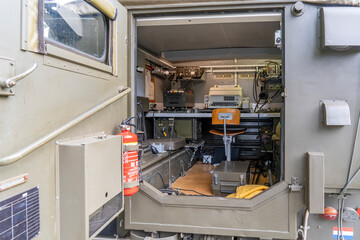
<point x="76" y="24"/>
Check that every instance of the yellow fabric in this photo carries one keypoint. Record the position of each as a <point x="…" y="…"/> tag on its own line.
<point x="32" y="31"/>
<point x="105" y="7"/>
<point x="114" y="49"/>
<point x="277" y="135"/>
<point x="247" y="191"/>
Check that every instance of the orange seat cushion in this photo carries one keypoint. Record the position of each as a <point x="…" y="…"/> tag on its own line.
<point x="228" y="132"/>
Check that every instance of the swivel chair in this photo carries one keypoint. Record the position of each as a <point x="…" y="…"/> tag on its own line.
<point x="226" y="116"/>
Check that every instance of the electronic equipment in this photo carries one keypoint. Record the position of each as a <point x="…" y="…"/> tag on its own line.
<point x="273" y="84"/>
<point x="229" y="175"/>
<point x="272" y="70"/>
<point x="271" y="77"/>
<point x="225" y="96"/>
<point x="246" y="103"/>
<point x="144" y="103"/>
<point x="189" y="72"/>
<point x="189" y="128"/>
<point x="179" y="99"/>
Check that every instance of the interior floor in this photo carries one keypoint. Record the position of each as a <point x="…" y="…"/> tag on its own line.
<point x="198" y="180"/>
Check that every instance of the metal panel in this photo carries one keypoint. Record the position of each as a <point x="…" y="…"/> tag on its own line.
<point x="196" y="37"/>
<point x="209" y="19"/>
<point x="222" y="53"/>
<point x="322" y="229"/>
<point x="311" y="75"/>
<point x="150" y="210"/>
<point x="339" y="27"/>
<point x="90" y="177"/>
<point x="315" y="182"/>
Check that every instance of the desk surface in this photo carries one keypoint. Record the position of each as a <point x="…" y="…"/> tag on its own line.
<point x="158" y="114"/>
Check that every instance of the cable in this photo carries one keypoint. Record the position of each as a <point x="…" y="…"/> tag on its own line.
<point x="152" y="148"/>
<point x="190" y="190"/>
<point x="141" y="174"/>
<point x="349" y="180"/>
<point x="269" y="100"/>
<point x="341" y="218"/>
<point x="157" y="173"/>
<point x="341" y="205"/>
<point x="338" y="221"/>
<point x="128" y="122"/>
<point x="143" y="119"/>
<point x="255" y="85"/>
<point x="176" y="190"/>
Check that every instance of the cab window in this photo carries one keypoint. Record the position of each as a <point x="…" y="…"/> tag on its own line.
<point x="77" y="26"/>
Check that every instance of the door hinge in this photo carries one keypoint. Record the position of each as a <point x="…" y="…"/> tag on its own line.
<point x="295" y="186"/>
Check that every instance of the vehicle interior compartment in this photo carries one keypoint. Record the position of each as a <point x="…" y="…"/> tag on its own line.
<point x="208" y="113"/>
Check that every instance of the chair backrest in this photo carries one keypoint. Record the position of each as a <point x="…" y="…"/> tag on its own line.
<point x="231" y="115"/>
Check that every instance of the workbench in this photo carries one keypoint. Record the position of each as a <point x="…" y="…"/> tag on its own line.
<point x="162" y="114"/>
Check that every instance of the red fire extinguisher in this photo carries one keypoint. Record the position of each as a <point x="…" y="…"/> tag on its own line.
<point x="130" y="161"/>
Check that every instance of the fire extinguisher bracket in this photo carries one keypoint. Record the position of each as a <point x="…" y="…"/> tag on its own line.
<point x="131" y="184"/>
<point x="128" y="148"/>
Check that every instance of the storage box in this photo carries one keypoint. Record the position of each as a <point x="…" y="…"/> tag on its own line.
<point x="89" y="176"/>
<point x="229" y="175"/>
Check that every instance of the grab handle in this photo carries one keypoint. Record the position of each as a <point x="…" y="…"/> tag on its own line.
<point x="10" y="82"/>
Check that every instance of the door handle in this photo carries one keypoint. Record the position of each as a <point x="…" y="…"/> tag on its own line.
<point x="10" y="82"/>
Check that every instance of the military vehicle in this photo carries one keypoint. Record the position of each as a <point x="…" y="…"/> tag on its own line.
<point x="73" y="70"/>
